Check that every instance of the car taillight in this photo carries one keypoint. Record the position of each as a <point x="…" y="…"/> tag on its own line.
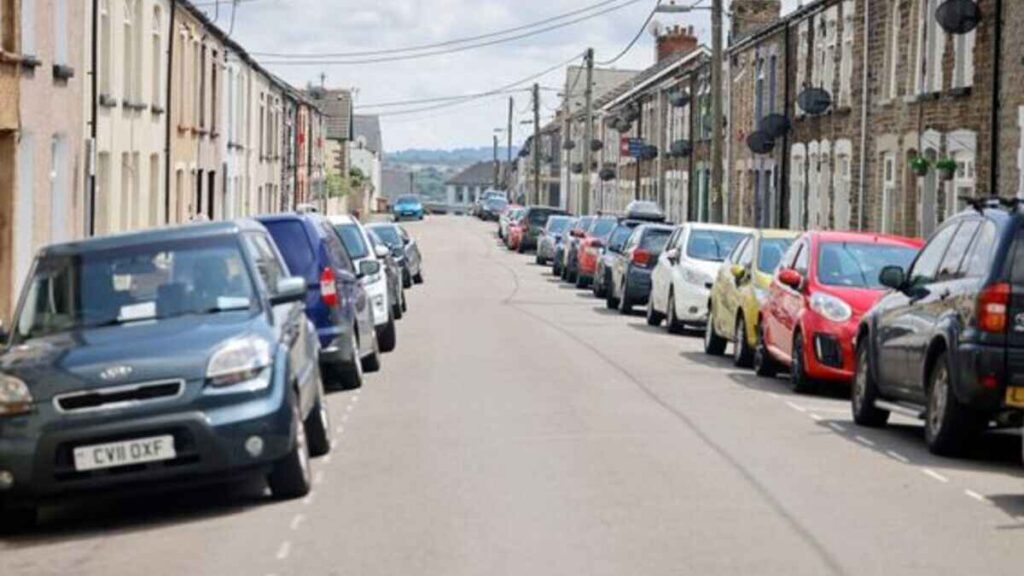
<point x="992" y="308"/>
<point x="641" y="257"/>
<point x="328" y="289"/>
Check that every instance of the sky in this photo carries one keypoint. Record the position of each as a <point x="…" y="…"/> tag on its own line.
<point x="332" y="26"/>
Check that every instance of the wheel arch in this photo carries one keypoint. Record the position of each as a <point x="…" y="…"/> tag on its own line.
<point x="936" y="348"/>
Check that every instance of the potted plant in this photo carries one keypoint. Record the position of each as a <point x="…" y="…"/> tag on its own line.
<point x="920" y="165"/>
<point x="946" y="168"/>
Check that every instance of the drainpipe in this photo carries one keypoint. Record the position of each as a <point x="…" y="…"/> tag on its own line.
<point x="996" y="71"/>
<point x="94" y="111"/>
<point x="864" y="102"/>
<point x="783" y="207"/>
<point x="167" y="121"/>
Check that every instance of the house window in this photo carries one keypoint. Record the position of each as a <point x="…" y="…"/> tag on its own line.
<point x="28" y="27"/>
<point x="214" y="66"/>
<point x="201" y="83"/>
<point x="825" y="184"/>
<point x="7" y="31"/>
<point x="818" y="51"/>
<point x="893" y="57"/>
<point x="963" y="59"/>
<point x="773" y="63"/>
<point x="156" y="60"/>
<point x="102" y="192"/>
<point x="106" y="44"/>
<point x="801" y="56"/>
<point x="60" y="31"/>
<point x="128" y="55"/>
<point x="889" y="179"/>
<point x="1020" y="152"/>
<point x="59" y="188"/>
<point x="846" y="55"/>
<point x="930" y="45"/>
<point x="963" y="181"/>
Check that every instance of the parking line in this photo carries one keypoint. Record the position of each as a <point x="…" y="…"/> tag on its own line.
<point x="815" y="417"/>
<point x="296" y="521"/>
<point x="898" y="456"/>
<point x="284" y="550"/>
<point x="796" y="407"/>
<point x="327" y="459"/>
<point x="355" y="398"/>
<point x="863" y="440"/>
<point x="934" y="474"/>
<point x="836" y="427"/>
<point x="975" y="495"/>
<point x="348" y="408"/>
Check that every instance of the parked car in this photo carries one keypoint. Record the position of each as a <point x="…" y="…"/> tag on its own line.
<point x="826" y="283"/>
<point x="531" y="223"/>
<point x="157" y="358"/>
<point x="405" y="250"/>
<point x="336" y="302"/>
<point x="550" y="235"/>
<point x="491" y="208"/>
<point x="357" y="243"/>
<point x="408" y="208"/>
<point x="590" y="248"/>
<point x="682" y="278"/>
<point x="511" y="213"/>
<point x="393" y="269"/>
<point x="631" y="268"/>
<point x="946" y="343"/>
<point x="740" y="288"/>
<point x="570" y="250"/>
<point x="603" y="269"/>
<point x="515" y="233"/>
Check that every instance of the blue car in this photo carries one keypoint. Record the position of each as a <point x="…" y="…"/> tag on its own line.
<point x="407" y="208"/>
<point x="154" y="358"/>
<point x="336" y="302"/>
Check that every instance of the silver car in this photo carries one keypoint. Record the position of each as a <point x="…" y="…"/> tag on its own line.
<point x="550" y="235"/>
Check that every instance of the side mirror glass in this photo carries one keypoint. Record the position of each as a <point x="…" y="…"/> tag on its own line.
<point x="738" y="272"/>
<point x="893" y="277"/>
<point x="381" y="251"/>
<point x="791" y="278"/>
<point x="368" y="268"/>
<point x="406" y="241"/>
<point x="288" y="290"/>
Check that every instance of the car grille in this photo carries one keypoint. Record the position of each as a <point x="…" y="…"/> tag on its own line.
<point x="826" y="348"/>
<point x="119" y="396"/>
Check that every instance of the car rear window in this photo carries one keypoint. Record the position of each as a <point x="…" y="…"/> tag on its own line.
<point x="711" y="245"/>
<point x="770" y="253"/>
<point x="539" y="217"/>
<point x="857" y="265"/>
<point x="352" y="238"/>
<point x="655" y="240"/>
<point x="291" y="239"/>
<point x="389" y="235"/>
<point x="620" y="235"/>
<point x="603" y="227"/>
<point x="558" y="224"/>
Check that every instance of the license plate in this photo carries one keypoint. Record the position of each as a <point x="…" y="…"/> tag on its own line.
<point x="125" y="453"/>
<point x="1015" y="396"/>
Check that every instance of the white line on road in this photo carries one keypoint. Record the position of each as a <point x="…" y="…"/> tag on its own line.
<point x="898" y="456"/>
<point x="355" y="398"/>
<point x="796" y="407"/>
<point x="975" y="495"/>
<point x="327" y="459"/>
<point x="348" y="408"/>
<point x="308" y="500"/>
<point x="296" y="521"/>
<point x="864" y="440"/>
<point x="284" y="550"/>
<point x="836" y="427"/>
<point x="934" y="474"/>
<point x="816" y="418"/>
<point x="318" y="478"/>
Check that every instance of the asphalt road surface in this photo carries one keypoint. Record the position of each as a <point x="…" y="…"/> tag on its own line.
<point x="521" y="428"/>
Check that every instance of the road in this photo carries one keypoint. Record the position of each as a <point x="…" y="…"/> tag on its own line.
<point x="521" y="428"/>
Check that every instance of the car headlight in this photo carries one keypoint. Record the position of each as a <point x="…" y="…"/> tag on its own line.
<point x="15" y="397"/>
<point x="831" y="307"/>
<point x="239" y="360"/>
<point x="697" y="277"/>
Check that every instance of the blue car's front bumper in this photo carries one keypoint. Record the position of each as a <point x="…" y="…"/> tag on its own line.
<point x="416" y="213"/>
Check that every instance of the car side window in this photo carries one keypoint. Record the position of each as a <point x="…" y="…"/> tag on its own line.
<point x="926" y="267"/>
<point x="673" y="238"/>
<point x="746" y="257"/>
<point x="949" y="269"/>
<point x="734" y="256"/>
<point x="268" y="263"/>
<point x="979" y="257"/>
<point x="634" y="239"/>
<point x="802" y="257"/>
<point x="336" y="248"/>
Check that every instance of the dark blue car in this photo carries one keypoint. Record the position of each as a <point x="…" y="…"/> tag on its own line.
<point x="174" y="355"/>
<point x="336" y="301"/>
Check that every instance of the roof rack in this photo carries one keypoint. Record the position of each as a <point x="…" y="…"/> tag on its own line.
<point x="991" y="203"/>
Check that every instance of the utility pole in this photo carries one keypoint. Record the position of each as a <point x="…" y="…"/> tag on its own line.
<point x="717" y="204"/>
<point x="536" y="147"/>
<point x="588" y="131"/>
<point x="508" y="166"/>
<point x="497" y="167"/>
<point x="412" y="183"/>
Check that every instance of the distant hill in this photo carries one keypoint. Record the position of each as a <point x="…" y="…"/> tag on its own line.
<point x="456" y="157"/>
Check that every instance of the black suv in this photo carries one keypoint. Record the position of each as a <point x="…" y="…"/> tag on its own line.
<point x="947" y="343"/>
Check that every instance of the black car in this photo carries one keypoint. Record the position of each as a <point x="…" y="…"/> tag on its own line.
<point x="533" y="221"/>
<point x="175" y="355"/>
<point x="630" y="282"/>
<point x="616" y="240"/>
<point x="566" y="264"/>
<point x="403" y="248"/>
<point x="947" y="342"/>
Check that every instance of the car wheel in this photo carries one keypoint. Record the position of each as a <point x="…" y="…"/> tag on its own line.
<point x="540" y="261"/>
<point x="318" y="429"/>
<point x="654" y="317"/>
<point x="520" y="248"/>
<point x="949" y="425"/>
<point x="625" y="306"/>
<point x="290" y="476"/>
<point x="396" y="310"/>
<point x="611" y="302"/>
<point x="17" y="518"/>
<point x="406" y="278"/>
<point x="799" y="381"/>
<point x="713" y="343"/>
<point x="672" y="323"/>
<point x="764" y="364"/>
<point x="556" y="270"/>
<point x="405" y="303"/>
<point x="418" y="278"/>
<point x="352" y="377"/>
<point x="387" y="336"/>
<point x="581" y="281"/>
<point x="865" y="392"/>
<point x="371" y="363"/>
<point x="743" y="354"/>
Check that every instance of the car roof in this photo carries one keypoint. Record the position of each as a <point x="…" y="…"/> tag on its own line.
<point x="863" y="237"/>
<point x="163" y="234"/>
<point x="342" y="219"/>
<point x="652" y="226"/>
<point x="718" y="227"/>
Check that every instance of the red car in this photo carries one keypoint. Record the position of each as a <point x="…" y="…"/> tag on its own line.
<point x="515" y="234"/>
<point x="824" y="284"/>
<point x="591" y="245"/>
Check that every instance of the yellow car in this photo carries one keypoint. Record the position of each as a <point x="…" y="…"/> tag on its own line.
<point x="741" y="286"/>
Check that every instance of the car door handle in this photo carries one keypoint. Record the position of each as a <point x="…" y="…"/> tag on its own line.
<point x="945" y="294"/>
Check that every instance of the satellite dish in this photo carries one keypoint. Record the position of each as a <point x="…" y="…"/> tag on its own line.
<point x="760" y="142"/>
<point x="654" y="28"/>
<point x="958" y="16"/>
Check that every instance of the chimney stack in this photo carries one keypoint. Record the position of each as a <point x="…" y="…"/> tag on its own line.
<point x="675" y="40"/>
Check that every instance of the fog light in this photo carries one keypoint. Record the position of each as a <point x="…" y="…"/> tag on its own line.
<point x="254" y="446"/>
<point x="6" y="479"/>
<point x="693" y="310"/>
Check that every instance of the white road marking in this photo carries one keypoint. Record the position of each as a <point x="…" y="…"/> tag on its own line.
<point x="815" y="417"/>
<point x="836" y="427"/>
<point x="796" y="407"/>
<point x="975" y="495"/>
<point x="898" y="456"/>
<point x="284" y="550"/>
<point x="307" y="500"/>
<point x="863" y="440"/>
<point x="348" y="408"/>
<point x="318" y="478"/>
<point x="774" y="395"/>
<point x="934" y="474"/>
<point x="296" y="521"/>
<point x="327" y="459"/>
<point x="340" y="429"/>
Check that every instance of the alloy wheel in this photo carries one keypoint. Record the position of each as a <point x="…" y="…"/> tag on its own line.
<point x="937" y="400"/>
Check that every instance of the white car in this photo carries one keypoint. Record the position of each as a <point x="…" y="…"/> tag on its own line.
<point x="357" y="242"/>
<point x="686" y="269"/>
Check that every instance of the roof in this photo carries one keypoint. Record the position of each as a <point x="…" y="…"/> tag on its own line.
<point x="650" y="75"/>
<point x="864" y="237"/>
<point x="152" y="236"/>
<point x="479" y="174"/>
<point x="336" y="105"/>
<point x="368" y="127"/>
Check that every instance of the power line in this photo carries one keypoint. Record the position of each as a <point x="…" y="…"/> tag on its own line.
<point x="429" y="100"/>
<point x="635" y="38"/>
<point x="321" y="62"/>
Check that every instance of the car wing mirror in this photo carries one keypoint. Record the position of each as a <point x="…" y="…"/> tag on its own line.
<point x="672" y="255"/>
<point x="893" y="277"/>
<point x="381" y="251"/>
<point x="596" y="243"/>
<point x="790" y="277"/>
<point x="368" y="268"/>
<point x="738" y="271"/>
<point x="288" y="290"/>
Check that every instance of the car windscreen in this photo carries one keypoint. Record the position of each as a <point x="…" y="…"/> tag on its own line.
<point x="558" y="224"/>
<point x="603" y="227"/>
<point x="407" y="200"/>
<point x="654" y="240"/>
<point x="770" y="253"/>
<point x="584" y="223"/>
<point x="857" y="265"/>
<point x="138" y="284"/>
<point x="711" y="245"/>
<point x="538" y="217"/>
<point x="389" y="235"/>
<point x="291" y="239"/>
<point x="620" y="235"/>
<point x="352" y="238"/>
<point x="495" y="204"/>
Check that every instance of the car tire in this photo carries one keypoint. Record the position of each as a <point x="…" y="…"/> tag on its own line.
<point x="405" y="303"/>
<point x="799" y="381"/>
<point x="387" y="336"/>
<point x="743" y="354"/>
<point x="581" y="281"/>
<point x="672" y="323"/>
<point x="17" y="518"/>
<point x="764" y="365"/>
<point x="318" y="429"/>
<point x="352" y="375"/>
<point x="654" y="317"/>
<point x="540" y="261"/>
<point x="520" y="248"/>
<point x="396" y="310"/>
<point x="949" y="425"/>
<point x="418" y="278"/>
<point x="714" y="345"/>
<point x="290" y="477"/>
<point x="610" y="301"/>
<point x="625" y="306"/>
<point x="865" y="391"/>
<point x="371" y="363"/>
<point x="406" y="278"/>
